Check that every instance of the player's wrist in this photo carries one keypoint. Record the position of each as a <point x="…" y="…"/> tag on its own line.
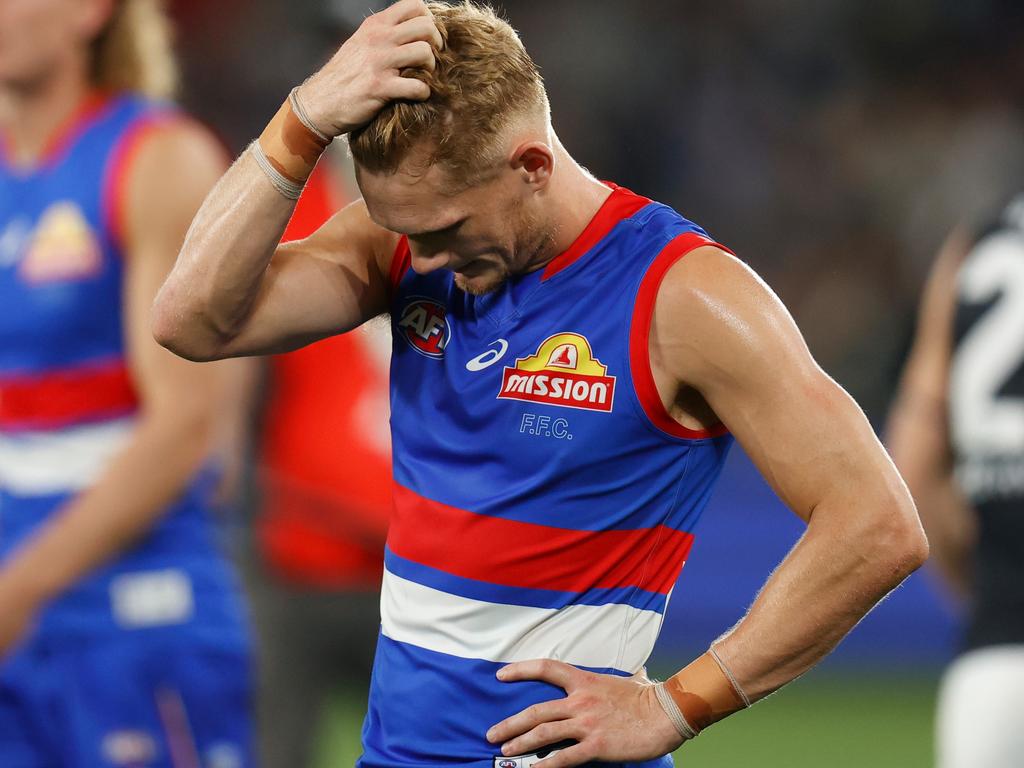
<point x="702" y="693"/>
<point x="290" y="146"/>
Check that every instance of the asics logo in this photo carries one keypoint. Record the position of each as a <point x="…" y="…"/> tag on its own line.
<point x="488" y="358"/>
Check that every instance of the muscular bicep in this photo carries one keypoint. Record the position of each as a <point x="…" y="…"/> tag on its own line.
<point x="326" y="284"/>
<point x="720" y="330"/>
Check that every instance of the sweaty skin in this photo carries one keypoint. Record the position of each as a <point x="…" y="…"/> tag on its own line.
<point x="722" y="347"/>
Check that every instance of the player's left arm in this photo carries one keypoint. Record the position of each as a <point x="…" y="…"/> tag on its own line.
<point x="720" y="330"/>
<point x="172" y="170"/>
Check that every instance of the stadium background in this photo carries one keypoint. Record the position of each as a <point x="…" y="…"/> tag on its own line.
<point x="832" y="144"/>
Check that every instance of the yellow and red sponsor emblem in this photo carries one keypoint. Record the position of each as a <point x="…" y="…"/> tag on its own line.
<point x="564" y="372"/>
<point x="64" y="247"/>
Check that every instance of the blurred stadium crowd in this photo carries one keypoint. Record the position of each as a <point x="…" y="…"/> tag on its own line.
<point x="830" y="143"/>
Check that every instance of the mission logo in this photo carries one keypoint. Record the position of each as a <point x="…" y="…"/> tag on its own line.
<point x="564" y="372"/>
<point x="424" y="324"/>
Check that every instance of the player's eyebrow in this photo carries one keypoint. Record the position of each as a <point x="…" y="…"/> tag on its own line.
<point x="441" y="231"/>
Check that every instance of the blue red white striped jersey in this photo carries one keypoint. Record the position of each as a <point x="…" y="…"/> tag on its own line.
<point x="544" y="499"/>
<point x="67" y="399"/>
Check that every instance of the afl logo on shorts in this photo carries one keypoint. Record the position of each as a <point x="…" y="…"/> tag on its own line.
<point x="424" y="324"/>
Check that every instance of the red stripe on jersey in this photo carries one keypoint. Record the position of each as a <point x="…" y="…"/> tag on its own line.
<point x="621" y="204"/>
<point x="640" y="335"/>
<point x="66" y="397"/>
<point x="527" y="555"/>
<point x="400" y="264"/>
<point x="115" y="182"/>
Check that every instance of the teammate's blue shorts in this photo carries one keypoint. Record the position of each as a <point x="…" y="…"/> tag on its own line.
<point x="158" y="700"/>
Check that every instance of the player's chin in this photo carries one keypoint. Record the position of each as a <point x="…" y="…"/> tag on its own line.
<point x="478" y="285"/>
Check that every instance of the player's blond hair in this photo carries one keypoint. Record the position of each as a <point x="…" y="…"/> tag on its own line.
<point x="484" y="81"/>
<point x="134" y="51"/>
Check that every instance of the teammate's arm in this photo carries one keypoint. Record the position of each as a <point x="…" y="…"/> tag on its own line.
<point x="917" y="432"/>
<point x="233" y="291"/>
<point x="719" y="330"/>
<point x="172" y="170"/>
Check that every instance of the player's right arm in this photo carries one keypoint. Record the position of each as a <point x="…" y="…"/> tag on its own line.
<point x="233" y="290"/>
<point x="917" y="433"/>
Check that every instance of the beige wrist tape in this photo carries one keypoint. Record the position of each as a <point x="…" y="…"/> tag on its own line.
<point x="704" y="692"/>
<point x="290" y="146"/>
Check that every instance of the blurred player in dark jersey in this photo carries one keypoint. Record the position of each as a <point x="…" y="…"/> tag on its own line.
<point x="957" y="434"/>
<point x="122" y="636"/>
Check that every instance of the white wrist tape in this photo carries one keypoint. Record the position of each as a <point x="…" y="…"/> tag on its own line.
<point x="728" y="673"/>
<point x="286" y="187"/>
<point x="300" y="112"/>
<point x="673" y="712"/>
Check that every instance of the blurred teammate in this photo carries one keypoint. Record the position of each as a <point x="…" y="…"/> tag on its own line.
<point x="957" y="434"/>
<point x="561" y="382"/>
<point x="119" y="620"/>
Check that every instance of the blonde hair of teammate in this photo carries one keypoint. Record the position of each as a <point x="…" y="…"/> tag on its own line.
<point x="483" y="82"/>
<point x="134" y="52"/>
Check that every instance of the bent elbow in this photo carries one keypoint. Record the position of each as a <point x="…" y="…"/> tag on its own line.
<point x="171" y="332"/>
<point x="903" y="544"/>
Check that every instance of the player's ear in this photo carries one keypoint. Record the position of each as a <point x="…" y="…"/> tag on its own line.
<point x="534" y="161"/>
<point x="93" y="17"/>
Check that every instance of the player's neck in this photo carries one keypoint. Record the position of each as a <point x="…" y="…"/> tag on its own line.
<point x="31" y="116"/>
<point x="576" y="197"/>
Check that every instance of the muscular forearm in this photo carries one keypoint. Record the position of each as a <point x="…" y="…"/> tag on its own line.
<point x="218" y="274"/>
<point x="123" y="505"/>
<point x="845" y="563"/>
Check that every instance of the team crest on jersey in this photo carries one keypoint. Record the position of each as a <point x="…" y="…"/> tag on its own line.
<point x="64" y="247"/>
<point x="424" y="324"/>
<point x="564" y="372"/>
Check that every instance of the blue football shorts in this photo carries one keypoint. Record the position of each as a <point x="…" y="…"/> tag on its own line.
<point x="136" y="700"/>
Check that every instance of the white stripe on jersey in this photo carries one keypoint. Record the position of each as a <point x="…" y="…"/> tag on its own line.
<point x="603" y="636"/>
<point x="59" y="461"/>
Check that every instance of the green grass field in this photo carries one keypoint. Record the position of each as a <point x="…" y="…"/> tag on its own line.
<point x="824" y="721"/>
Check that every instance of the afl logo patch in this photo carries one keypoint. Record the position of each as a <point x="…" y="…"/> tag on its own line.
<point x="424" y="325"/>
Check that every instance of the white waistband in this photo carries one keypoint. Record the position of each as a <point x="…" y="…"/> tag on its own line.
<point x="60" y="461"/>
<point x="601" y="636"/>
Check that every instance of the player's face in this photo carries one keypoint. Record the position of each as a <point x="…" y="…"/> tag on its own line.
<point x="484" y="233"/>
<point x="39" y="36"/>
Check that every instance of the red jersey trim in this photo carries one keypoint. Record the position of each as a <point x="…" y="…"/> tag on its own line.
<point x="621" y="204"/>
<point x="114" y="193"/>
<point x="640" y="334"/>
<point x="511" y="553"/>
<point x="84" y="115"/>
<point x="400" y="264"/>
<point x="66" y="397"/>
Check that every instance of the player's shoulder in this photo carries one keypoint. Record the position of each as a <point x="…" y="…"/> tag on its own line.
<point x="708" y="273"/>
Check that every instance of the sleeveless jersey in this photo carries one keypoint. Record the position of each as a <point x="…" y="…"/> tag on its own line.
<point x="987" y="423"/>
<point x="544" y="499"/>
<point x="67" y="400"/>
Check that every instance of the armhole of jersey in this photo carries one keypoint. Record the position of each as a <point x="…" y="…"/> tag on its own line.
<point x="116" y="173"/>
<point x="640" y="336"/>
<point x="400" y="264"/>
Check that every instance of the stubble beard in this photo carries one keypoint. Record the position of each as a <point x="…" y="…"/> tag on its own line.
<point x="538" y="239"/>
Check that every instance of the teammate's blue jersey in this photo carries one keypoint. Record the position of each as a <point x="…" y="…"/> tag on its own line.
<point x="544" y="498"/>
<point x="67" y="399"/>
